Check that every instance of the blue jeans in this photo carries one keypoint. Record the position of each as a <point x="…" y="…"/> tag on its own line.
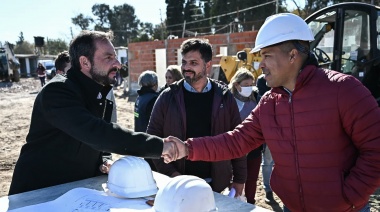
<point x="366" y="208"/>
<point x="267" y="167"/>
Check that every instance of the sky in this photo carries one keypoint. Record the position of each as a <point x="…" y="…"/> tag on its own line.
<point x="52" y="19"/>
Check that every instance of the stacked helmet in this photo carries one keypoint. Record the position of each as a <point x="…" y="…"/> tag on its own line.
<point x="185" y="193"/>
<point x="282" y="27"/>
<point x="131" y="177"/>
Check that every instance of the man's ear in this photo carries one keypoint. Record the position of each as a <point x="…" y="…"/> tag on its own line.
<point x="293" y="55"/>
<point x="208" y="67"/>
<point x="209" y="64"/>
<point x="84" y="63"/>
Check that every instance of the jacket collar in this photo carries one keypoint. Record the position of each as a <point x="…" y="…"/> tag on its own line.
<point x="308" y="67"/>
<point x="190" y="88"/>
<point x="217" y="85"/>
<point x="303" y="78"/>
<point x="144" y="90"/>
<point x="305" y="75"/>
<point x="306" y="72"/>
<point x="89" y="86"/>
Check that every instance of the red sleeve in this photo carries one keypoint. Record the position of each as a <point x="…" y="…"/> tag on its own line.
<point x="233" y="144"/>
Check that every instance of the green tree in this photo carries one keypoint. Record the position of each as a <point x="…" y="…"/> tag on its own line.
<point x="311" y="6"/>
<point x="175" y="16"/>
<point x="145" y="32"/>
<point x="55" y="46"/>
<point x="221" y="21"/>
<point x="160" y="32"/>
<point x="102" y="11"/>
<point x="24" y="48"/>
<point x="193" y="13"/>
<point x="241" y="15"/>
<point x="258" y="11"/>
<point x="20" y="38"/>
<point x="82" y="21"/>
<point x="206" y="14"/>
<point x="120" y="19"/>
<point x="124" y="24"/>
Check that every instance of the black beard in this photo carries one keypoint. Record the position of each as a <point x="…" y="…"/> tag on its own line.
<point x="103" y="79"/>
<point x="196" y="77"/>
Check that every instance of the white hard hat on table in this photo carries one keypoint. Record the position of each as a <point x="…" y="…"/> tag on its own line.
<point x="282" y="27"/>
<point x="185" y="193"/>
<point x="131" y="177"/>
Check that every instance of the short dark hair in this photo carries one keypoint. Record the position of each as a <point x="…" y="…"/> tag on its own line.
<point x="61" y="61"/>
<point x="85" y="45"/>
<point x="198" y="44"/>
<point x="302" y="46"/>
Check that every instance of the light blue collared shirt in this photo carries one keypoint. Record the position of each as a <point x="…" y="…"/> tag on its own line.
<point x="190" y="88"/>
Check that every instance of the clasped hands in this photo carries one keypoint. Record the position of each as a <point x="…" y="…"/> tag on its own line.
<point x="174" y="149"/>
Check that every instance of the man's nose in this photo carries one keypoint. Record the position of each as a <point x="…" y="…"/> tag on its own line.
<point x="185" y="66"/>
<point x="117" y="64"/>
<point x="262" y="64"/>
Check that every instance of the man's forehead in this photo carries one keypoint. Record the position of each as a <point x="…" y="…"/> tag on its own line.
<point x="192" y="56"/>
<point x="268" y="50"/>
<point x="104" y="47"/>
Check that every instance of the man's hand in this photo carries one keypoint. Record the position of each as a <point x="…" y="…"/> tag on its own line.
<point x="179" y="151"/>
<point x="105" y="167"/>
<point x="238" y="188"/>
<point x="170" y="151"/>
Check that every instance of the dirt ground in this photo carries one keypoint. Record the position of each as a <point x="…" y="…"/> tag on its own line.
<point x="16" y="103"/>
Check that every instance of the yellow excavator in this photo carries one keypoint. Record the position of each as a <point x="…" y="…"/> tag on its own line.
<point x="228" y="65"/>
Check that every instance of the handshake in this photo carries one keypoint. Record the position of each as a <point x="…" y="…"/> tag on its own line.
<point x="174" y="149"/>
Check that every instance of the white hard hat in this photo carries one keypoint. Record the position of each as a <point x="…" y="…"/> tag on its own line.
<point x="131" y="177"/>
<point x="185" y="193"/>
<point x="282" y="27"/>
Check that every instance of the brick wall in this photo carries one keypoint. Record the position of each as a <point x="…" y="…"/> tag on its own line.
<point x="141" y="55"/>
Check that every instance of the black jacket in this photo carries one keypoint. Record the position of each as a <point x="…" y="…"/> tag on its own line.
<point x="70" y="127"/>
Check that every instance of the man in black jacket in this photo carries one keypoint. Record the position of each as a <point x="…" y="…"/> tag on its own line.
<point x="70" y="125"/>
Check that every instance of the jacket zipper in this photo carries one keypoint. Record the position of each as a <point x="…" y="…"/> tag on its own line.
<point x="290" y="94"/>
<point x="104" y="109"/>
<point x="294" y="144"/>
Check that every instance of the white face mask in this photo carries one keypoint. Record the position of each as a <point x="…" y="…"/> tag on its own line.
<point x="256" y="65"/>
<point x="246" y="91"/>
